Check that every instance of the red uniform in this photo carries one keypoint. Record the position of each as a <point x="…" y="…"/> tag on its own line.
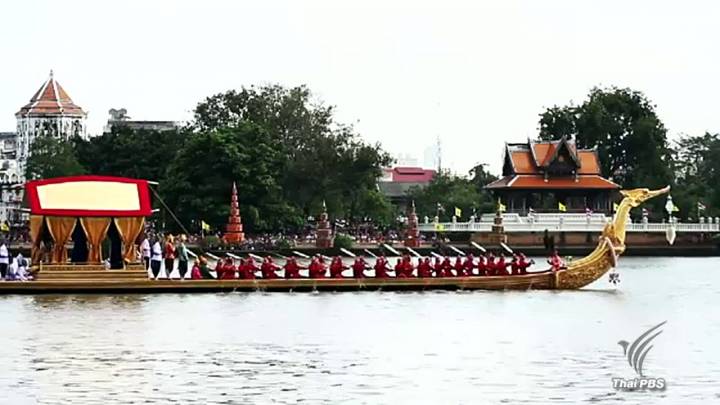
<point x="248" y="269"/>
<point x="501" y="267"/>
<point x="381" y="268"/>
<point x="490" y="265"/>
<point x="292" y="269"/>
<point x="359" y="267"/>
<point x="336" y="268"/>
<point x="446" y="268"/>
<point x="438" y="268"/>
<point x="400" y="269"/>
<point x="424" y="268"/>
<point x="316" y="268"/>
<point x="195" y="272"/>
<point x="556" y="262"/>
<point x="469" y="265"/>
<point x="408" y="267"/>
<point x="459" y="267"/>
<point x="226" y="271"/>
<point x="523" y="263"/>
<point x="268" y="269"/>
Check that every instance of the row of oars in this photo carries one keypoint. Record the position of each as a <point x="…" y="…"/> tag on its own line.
<point x="353" y="255"/>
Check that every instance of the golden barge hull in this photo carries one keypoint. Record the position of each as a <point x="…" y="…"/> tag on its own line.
<point x="541" y="281"/>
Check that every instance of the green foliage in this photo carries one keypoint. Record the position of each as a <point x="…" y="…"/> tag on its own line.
<point x="451" y="191"/>
<point x="200" y="176"/>
<point x="623" y="126"/>
<point x="696" y="164"/>
<point x="52" y="157"/>
<point x="343" y="241"/>
<point x="209" y="242"/>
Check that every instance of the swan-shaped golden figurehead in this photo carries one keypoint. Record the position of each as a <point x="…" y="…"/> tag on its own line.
<point x="582" y="272"/>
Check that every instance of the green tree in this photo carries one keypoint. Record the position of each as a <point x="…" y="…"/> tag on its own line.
<point x="697" y="170"/>
<point x="52" y="157"/>
<point x="453" y="191"/>
<point x="199" y="179"/>
<point x="323" y="160"/>
<point x="622" y="124"/>
<point x="126" y="152"/>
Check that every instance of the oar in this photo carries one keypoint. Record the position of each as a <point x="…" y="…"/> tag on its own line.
<point x="436" y="255"/>
<point x="411" y="250"/>
<point x="478" y="247"/>
<point x="347" y="252"/>
<point x="391" y="249"/>
<point x="256" y="257"/>
<point x="507" y="248"/>
<point x="371" y="253"/>
<point x="301" y="254"/>
<point x="234" y="256"/>
<point x="460" y="252"/>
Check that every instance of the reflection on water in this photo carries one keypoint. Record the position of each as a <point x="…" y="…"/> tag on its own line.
<point x="368" y="347"/>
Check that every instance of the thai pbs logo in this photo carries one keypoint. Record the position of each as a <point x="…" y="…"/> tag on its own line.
<point x="636" y="352"/>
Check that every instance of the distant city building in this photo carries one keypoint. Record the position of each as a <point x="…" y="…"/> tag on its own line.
<point x="119" y="118"/>
<point x="50" y="112"/>
<point x="397" y="181"/>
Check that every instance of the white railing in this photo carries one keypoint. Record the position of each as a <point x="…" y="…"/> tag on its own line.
<point x="565" y="226"/>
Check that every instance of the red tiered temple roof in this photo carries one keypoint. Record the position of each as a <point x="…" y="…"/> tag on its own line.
<point x="551" y="165"/>
<point x="51" y="99"/>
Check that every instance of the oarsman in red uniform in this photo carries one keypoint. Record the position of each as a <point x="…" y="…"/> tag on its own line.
<point x="408" y="267"/>
<point x="227" y="270"/>
<point x="501" y="266"/>
<point x="337" y="267"/>
<point x="292" y="268"/>
<point x="523" y="263"/>
<point x="489" y="264"/>
<point x="481" y="266"/>
<point x="250" y="269"/>
<point x="381" y="267"/>
<point x="317" y="268"/>
<point x="438" y="267"/>
<point x="268" y="268"/>
<point x="514" y="265"/>
<point x="359" y="267"/>
<point x="399" y="269"/>
<point x="424" y="268"/>
<point x="469" y="265"/>
<point x="459" y="267"/>
<point x="446" y="267"/>
<point x="556" y="262"/>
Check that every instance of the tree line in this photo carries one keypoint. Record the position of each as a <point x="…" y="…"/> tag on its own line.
<point x="288" y="155"/>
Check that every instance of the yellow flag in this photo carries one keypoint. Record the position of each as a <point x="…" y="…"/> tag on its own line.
<point x="205" y="226"/>
<point x="501" y="207"/>
<point x="675" y="208"/>
<point x="458" y="212"/>
<point x="615" y="207"/>
<point x="4" y="227"/>
<point x="439" y="227"/>
<point x="562" y="207"/>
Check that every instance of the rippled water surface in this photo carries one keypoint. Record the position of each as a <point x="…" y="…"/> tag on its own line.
<point x="369" y="347"/>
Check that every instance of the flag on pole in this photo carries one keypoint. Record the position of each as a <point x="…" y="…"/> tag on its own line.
<point x="458" y="212"/>
<point x="501" y="207"/>
<point x="4" y="227"/>
<point x="205" y="226"/>
<point x="675" y="208"/>
<point x="562" y="207"/>
<point x="615" y="207"/>
<point x="701" y="206"/>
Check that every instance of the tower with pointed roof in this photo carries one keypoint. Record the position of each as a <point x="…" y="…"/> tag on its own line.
<point x="50" y="112"/>
<point x="234" y="229"/>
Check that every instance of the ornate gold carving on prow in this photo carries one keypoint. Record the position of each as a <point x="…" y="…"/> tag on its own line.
<point x="582" y="272"/>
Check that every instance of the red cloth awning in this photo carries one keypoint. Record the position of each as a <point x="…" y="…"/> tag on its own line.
<point x="89" y="196"/>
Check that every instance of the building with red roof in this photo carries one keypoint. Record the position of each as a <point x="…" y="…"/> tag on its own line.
<point x="541" y="174"/>
<point x="397" y="181"/>
<point x="50" y="112"/>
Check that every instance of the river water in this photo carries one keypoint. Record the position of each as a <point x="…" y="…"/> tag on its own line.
<point x="534" y="347"/>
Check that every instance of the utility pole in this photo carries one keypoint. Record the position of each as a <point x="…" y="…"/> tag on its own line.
<point x="439" y="154"/>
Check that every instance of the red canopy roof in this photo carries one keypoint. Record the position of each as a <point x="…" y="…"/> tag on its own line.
<point x="89" y="196"/>
<point x="539" y="182"/>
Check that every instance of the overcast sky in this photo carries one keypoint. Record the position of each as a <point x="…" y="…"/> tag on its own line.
<point x="476" y="74"/>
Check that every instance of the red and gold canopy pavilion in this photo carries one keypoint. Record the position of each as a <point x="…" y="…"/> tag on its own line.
<point x="541" y="174"/>
<point x="87" y="209"/>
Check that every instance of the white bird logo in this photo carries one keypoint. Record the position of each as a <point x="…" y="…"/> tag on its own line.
<point x="639" y="348"/>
